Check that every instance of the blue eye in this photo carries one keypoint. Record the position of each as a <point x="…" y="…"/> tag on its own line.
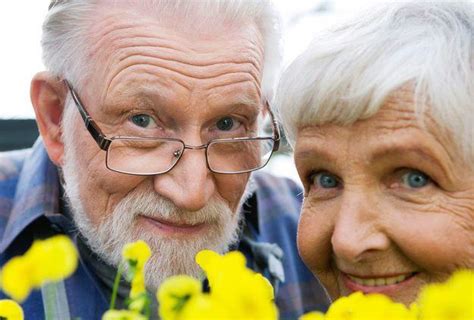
<point x="225" y="124"/>
<point x="142" y="120"/>
<point x="415" y="179"/>
<point x="326" y="180"/>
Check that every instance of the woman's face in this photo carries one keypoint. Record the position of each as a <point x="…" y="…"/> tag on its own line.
<point x="389" y="204"/>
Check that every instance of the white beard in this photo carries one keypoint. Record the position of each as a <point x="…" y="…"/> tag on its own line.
<point x="170" y="256"/>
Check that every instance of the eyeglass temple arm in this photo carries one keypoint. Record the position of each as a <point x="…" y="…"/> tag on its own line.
<point x="276" y="128"/>
<point x="90" y="124"/>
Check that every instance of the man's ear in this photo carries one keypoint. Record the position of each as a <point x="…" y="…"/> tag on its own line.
<point x="48" y="95"/>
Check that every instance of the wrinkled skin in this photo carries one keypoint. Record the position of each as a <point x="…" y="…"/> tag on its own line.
<point x="185" y="81"/>
<point x="384" y="197"/>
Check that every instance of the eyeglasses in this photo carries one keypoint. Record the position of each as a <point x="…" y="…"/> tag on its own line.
<point x="152" y="156"/>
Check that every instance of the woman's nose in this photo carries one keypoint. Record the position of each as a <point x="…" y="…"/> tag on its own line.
<point x="358" y="228"/>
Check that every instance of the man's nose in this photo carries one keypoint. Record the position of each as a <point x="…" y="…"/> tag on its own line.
<point x="358" y="228"/>
<point x="189" y="185"/>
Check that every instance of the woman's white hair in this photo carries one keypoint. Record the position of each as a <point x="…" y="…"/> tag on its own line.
<point x="348" y="71"/>
<point x="66" y="27"/>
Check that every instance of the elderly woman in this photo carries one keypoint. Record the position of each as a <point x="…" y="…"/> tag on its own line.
<point x="380" y="111"/>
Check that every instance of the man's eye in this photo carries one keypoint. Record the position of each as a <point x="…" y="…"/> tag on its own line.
<point x="142" y="120"/>
<point x="325" y="180"/>
<point x="415" y="179"/>
<point x="226" y="124"/>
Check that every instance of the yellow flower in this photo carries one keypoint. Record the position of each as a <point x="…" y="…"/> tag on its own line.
<point x="204" y="307"/>
<point x="217" y="267"/>
<point x="47" y="260"/>
<point x="16" y="278"/>
<point x="52" y="259"/>
<point x="175" y="293"/>
<point x="358" y="306"/>
<point x="314" y="315"/>
<point x="123" y="315"/>
<point x="252" y="294"/>
<point x="10" y="310"/>
<point x="136" y="255"/>
<point x="139" y="303"/>
<point x="138" y="284"/>
<point x="414" y="310"/>
<point x="452" y="300"/>
<point x="138" y="252"/>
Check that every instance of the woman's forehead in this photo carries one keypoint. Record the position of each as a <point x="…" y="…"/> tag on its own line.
<point x="395" y="128"/>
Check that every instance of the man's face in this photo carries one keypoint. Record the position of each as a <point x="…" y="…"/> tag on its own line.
<point x="389" y="203"/>
<point x="151" y="81"/>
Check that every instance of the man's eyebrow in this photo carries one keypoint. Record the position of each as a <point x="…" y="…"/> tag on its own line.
<point x="241" y="99"/>
<point x="239" y="107"/>
<point x="144" y="100"/>
<point x="141" y="99"/>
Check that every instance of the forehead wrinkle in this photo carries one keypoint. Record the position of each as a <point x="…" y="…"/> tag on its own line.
<point x="393" y="115"/>
<point x="212" y="70"/>
<point x="124" y="44"/>
<point x="197" y="53"/>
<point x="230" y="72"/>
<point x="225" y="79"/>
<point x="398" y="113"/>
<point x="190" y="55"/>
<point x="124" y="40"/>
<point x="103" y="31"/>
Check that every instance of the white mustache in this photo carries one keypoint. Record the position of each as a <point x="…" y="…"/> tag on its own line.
<point x="147" y="203"/>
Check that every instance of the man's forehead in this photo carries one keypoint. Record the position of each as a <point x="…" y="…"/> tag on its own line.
<point x="117" y="20"/>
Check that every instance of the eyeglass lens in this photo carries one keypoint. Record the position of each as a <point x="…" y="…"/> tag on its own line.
<point x="154" y="156"/>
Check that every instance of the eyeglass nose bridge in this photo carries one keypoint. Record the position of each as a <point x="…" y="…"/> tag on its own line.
<point x="178" y="153"/>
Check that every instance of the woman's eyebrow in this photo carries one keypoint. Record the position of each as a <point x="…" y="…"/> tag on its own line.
<point x="398" y="151"/>
<point x="316" y="153"/>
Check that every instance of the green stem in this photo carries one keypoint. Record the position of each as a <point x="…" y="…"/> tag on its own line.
<point x="116" y="285"/>
<point x="55" y="301"/>
<point x="49" y="302"/>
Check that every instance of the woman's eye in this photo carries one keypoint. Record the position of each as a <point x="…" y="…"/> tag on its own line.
<point x="326" y="180"/>
<point x="142" y="120"/>
<point x="415" y="179"/>
<point x="226" y="124"/>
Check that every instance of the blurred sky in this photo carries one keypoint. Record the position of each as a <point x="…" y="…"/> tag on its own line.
<point x="20" y="32"/>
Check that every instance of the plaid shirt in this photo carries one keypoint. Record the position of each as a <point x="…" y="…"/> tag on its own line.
<point x="30" y="205"/>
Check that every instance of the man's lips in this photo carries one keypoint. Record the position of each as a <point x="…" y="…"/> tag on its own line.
<point x="172" y="227"/>
<point x="378" y="283"/>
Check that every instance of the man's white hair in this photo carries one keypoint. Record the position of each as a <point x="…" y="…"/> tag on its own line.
<point x="349" y="70"/>
<point x="66" y="26"/>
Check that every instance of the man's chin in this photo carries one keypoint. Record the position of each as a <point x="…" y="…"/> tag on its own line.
<point x="173" y="252"/>
<point x="161" y="267"/>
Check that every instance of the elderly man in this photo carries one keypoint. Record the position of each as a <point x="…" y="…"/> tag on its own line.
<point x="150" y="116"/>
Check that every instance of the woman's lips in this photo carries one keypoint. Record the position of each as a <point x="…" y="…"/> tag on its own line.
<point x="385" y="284"/>
<point x="171" y="228"/>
